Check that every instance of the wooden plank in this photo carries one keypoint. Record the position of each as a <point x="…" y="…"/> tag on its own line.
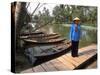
<point x="70" y="57"/>
<point x="28" y="71"/>
<point x="76" y="59"/>
<point x="34" y="69"/>
<point x="83" y="53"/>
<point x="39" y="68"/>
<point x="90" y="47"/>
<point x="81" y="58"/>
<point x="58" y="65"/>
<point x="70" y="60"/>
<point x="87" y="62"/>
<point x="66" y="63"/>
<point x="86" y="54"/>
<point x="48" y="66"/>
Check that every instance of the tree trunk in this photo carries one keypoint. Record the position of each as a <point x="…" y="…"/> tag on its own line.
<point x="20" y="19"/>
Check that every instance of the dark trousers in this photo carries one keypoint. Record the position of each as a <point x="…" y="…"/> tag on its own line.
<point x="74" y="48"/>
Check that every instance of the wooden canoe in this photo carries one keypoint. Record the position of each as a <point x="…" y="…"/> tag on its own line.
<point x="33" y="33"/>
<point x="45" y="54"/>
<point x="51" y="51"/>
<point x="43" y="41"/>
<point x="40" y="36"/>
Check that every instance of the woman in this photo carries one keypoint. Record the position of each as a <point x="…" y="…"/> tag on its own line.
<point x="75" y="32"/>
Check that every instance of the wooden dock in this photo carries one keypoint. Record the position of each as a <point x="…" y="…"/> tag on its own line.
<point x="66" y="62"/>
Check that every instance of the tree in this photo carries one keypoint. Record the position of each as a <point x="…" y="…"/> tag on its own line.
<point x="21" y="20"/>
<point x="42" y="18"/>
<point x="59" y="13"/>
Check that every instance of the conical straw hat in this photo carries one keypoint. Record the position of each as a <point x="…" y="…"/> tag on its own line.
<point x="76" y="18"/>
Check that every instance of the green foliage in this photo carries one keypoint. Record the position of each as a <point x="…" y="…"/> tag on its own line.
<point x="42" y="18"/>
<point x="59" y="13"/>
<point x="65" y="14"/>
<point x="88" y="15"/>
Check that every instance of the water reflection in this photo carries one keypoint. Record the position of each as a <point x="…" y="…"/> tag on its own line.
<point x="85" y="35"/>
<point x="88" y="36"/>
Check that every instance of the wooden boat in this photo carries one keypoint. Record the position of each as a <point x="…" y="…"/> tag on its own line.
<point x="40" y="36"/>
<point x="43" y="41"/>
<point x="48" y="52"/>
<point x="40" y="53"/>
<point x="51" y="51"/>
<point x="33" y="33"/>
<point x="45" y="38"/>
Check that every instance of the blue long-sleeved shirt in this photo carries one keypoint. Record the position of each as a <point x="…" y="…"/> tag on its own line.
<point x="75" y="35"/>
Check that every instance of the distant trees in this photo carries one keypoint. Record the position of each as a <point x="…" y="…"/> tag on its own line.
<point x="65" y="13"/>
<point x="59" y="14"/>
<point x="42" y="18"/>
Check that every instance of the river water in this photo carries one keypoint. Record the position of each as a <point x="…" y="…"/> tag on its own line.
<point x="89" y="33"/>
